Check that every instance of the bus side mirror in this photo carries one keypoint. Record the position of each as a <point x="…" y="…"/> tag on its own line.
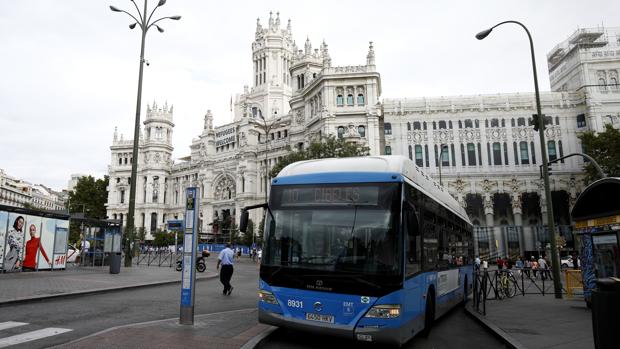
<point x="243" y="221"/>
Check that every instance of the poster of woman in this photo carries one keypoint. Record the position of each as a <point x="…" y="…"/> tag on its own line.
<point x="14" y="243"/>
<point x="33" y="247"/>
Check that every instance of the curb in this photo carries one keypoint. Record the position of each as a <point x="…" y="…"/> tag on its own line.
<point x="259" y="338"/>
<point x="95" y="291"/>
<point x="498" y="332"/>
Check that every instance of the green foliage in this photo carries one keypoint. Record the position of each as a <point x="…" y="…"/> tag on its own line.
<point x="89" y="196"/>
<point x="261" y="228"/>
<point x="329" y="147"/>
<point x="605" y="149"/>
<point x="163" y="238"/>
<point x="247" y="236"/>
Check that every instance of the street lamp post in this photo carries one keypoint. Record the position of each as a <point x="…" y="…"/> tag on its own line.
<point x="267" y="128"/>
<point x="145" y="24"/>
<point x="443" y="146"/>
<point x="555" y="262"/>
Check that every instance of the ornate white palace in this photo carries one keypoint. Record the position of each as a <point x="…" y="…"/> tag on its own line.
<point x="488" y="154"/>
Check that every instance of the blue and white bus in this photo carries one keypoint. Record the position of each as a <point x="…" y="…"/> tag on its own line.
<point x="367" y="248"/>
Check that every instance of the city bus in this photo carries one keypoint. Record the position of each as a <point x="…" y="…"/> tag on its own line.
<point x="368" y="248"/>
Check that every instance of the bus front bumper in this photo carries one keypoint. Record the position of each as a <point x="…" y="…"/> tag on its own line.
<point x="386" y="335"/>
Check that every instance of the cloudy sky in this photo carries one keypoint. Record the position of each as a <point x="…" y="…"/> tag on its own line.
<point x="69" y="68"/>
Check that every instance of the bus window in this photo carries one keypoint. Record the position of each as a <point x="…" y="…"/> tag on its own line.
<point x="430" y="238"/>
<point x="412" y="241"/>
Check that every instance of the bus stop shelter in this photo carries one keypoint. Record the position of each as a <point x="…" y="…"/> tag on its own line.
<point x="597" y="221"/>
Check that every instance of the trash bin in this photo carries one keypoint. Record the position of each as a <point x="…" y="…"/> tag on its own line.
<point x="115" y="263"/>
<point x="605" y="305"/>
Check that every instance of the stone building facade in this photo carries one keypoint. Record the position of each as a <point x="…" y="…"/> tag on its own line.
<point x="490" y="159"/>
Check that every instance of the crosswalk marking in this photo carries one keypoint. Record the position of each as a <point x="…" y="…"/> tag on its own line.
<point x="11" y="324"/>
<point x="31" y="336"/>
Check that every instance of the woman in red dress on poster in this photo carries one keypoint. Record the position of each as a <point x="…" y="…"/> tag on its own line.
<point x="32" y="247"/>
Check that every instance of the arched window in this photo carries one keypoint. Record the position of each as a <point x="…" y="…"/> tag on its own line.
<point x="450" y="124"/>
<point x="486" y="123"/>
<point x="387" y="128"/>
<point x="497" y="154"/>
<point x="602" y="85"/>
<point x="468" y="123"/>
<point x="360" y="99"/>
<point x="503" y="123"/>
<point x="521" y="122"/>
<point x="418" y="155"/>
<point x="614" y="83"/>
<point x="410" y="153"/>
<point x="561" y="150"/>
<point x="525" y="153"/>
<point x="408" y="126"/>
<point x="476" y="123"/>
<point x="361" y="130"/>
<point x="416" y="125"/>
<point x="424" y="125"/>
<point x="512" y="122"/>
<point x="434" y="125"/>
<point x="460" y="124"/>
<point x="557" y="120"/>
<point x="471" y="154"/>
<point x="388" y="150"/>
<point x="442" y="125"/>
<point x="551" y="150"/>
<point x="494" y="123"/>
<point x="340" y="101"/>
<point x="340" y="131"/>
<point x="350" y="100"/>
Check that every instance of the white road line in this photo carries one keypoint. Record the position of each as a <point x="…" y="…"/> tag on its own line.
<point x="11" y="324"/>
<point x="31" y="336"/>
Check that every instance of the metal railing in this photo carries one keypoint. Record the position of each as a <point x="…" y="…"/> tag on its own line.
<point x="159" y="259"/>
<point x="507" y="283"/>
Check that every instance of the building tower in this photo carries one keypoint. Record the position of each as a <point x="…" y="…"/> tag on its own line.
<point x="154" y="168"/>
<point x="272" y="55"/>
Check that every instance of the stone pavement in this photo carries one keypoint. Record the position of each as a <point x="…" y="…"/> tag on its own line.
<point x="28" y="286"/>
<point x="536" y="321"/>
<point x="227" y="330"/>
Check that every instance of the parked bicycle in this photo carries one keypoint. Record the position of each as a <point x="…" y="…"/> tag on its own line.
<point x="507" y="284"/>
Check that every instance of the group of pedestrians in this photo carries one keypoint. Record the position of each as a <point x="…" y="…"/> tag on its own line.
<point x="531" y="267"/>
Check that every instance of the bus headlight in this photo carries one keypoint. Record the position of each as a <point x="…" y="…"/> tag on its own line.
<point x="384" y="311"/>
<point x="267" y="297"/>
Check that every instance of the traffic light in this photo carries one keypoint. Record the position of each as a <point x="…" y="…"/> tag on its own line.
<point x="534" y="121"/>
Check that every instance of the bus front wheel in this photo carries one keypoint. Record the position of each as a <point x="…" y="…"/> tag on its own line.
<point x="429" y="314"/>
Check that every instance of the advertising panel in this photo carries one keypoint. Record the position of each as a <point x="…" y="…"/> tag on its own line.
<point x="4" y="218"/>
<point x="60" y="244"/>
<point x="32" y="228"/>
<point x="14" y="243"/>
<point x="47" y="243"/>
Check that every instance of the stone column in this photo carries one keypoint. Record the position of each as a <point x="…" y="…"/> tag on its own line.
<point x="489" y="215"/>
<point x="518" y="220"/>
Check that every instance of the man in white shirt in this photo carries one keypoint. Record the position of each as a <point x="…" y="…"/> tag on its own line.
<point x="225" y="258"/>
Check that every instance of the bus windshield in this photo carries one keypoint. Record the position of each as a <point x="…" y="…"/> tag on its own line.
<point x="335" y="230"/>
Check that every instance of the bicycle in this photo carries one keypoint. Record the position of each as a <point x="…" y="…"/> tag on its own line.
<point x="507" y="285"/>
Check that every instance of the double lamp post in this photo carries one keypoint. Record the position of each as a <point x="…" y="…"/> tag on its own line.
<point x="144" y="22"/>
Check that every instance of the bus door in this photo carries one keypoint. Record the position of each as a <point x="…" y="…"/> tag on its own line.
<point x="414" y="303"/>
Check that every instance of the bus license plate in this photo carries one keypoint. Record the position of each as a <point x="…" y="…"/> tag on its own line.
<point x="320" y="317"/>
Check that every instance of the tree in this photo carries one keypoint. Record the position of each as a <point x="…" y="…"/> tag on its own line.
<point x="329" y="147"/>
<point x="248" y="235"/>
<point x="89" y="196"/>
<point x="605" y="149"/>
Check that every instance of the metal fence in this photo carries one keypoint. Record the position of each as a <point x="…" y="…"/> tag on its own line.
<point x="507" y="283"/>
<point x="158" y="259"/>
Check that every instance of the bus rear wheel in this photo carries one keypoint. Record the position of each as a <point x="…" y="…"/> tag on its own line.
<point x="429" y="314"/>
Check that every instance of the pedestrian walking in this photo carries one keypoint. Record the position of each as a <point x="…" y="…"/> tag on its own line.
<point x="225" y="259"/>
<point x="527" y="265"/>
<point x="534" y="267"/>
<point x="477" y="263"/>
